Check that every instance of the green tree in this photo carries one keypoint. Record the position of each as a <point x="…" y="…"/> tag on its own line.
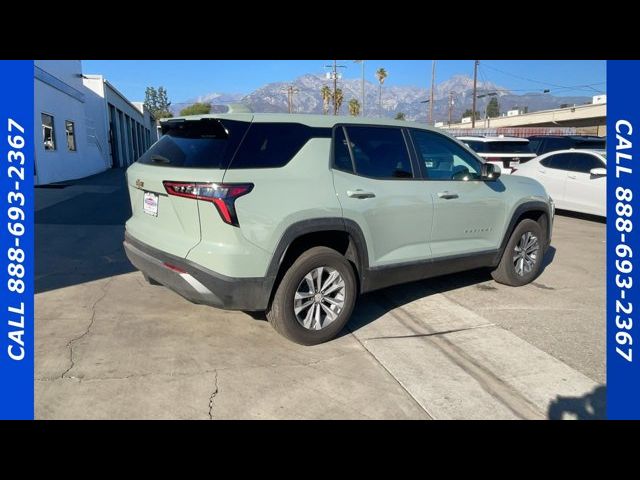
<point x="326" y="98"/>
<point x="381" y="74"/>
<point x="400" y="116"/>
<point x="197" y="108"/>
<point x="354" y="107"/>
<point x="493" y="108"/>
<point x="339" y="99"/>
<point x="157" y="102"/>
<point x="467" y="113"/>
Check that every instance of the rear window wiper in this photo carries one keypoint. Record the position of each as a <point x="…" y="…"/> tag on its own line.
<point x="159" y="159"/>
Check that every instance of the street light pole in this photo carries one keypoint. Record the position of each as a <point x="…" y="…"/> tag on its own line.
<point x="486" y="106"/>
<point x="433" y="79"/>
<point x="450" y="106"/>
<point x="335" y="88"/>
<point x="475" y="85"/>
<point x="428" y="100"/>
<point x="363" y="85"/>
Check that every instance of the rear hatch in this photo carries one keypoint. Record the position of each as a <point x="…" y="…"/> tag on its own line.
<point x="190" y="150"/>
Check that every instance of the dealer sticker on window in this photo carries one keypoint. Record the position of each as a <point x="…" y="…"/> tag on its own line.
<point x="150" y="204"/>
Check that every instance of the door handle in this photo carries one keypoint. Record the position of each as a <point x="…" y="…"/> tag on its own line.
<point x="447" y="195"/>
<point x="542" y="170"/>
<point x="572" y="176"/>
<point x="360" y="194"/>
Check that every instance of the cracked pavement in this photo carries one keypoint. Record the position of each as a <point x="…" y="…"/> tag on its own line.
<point x="108" y="345"/>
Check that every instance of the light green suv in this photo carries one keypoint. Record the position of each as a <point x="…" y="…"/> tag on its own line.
<point x="296" y="215"/>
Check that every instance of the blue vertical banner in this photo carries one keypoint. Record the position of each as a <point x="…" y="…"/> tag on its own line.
<point x="623" y="240"/>
<point x="16" y="240"/>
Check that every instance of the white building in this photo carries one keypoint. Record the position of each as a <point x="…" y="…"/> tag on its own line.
<point x="127" y="126"/>
<point x="82" y="124"/>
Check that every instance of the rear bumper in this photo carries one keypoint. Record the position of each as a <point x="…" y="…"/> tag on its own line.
<point x="198" y="284"/>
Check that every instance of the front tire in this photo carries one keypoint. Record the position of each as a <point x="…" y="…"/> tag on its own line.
<point x="521" y="260"/>
<point x="315" y="298"/>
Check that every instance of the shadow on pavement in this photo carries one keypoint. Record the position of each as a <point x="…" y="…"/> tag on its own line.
<point x="374" y="305"/>
<point x="591" y="406"/>
<point x="79" y="230"/>
<point x="581" y="216"/>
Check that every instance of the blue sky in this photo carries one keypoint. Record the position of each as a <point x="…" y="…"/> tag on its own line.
<point x="186" y="79"/>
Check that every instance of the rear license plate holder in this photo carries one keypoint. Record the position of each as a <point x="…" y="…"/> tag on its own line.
<point x="150" y="204"/>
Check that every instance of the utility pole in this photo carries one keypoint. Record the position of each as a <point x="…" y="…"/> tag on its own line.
<point x="335" y="87"/>
<point x="290" y="91"/>
<point x="335" y="84"/>
<point x="475" y="84"/>
<point x="450" y="106"/>
<point x="433" y="79"/>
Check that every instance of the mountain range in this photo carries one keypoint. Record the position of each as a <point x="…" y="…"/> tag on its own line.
<point x="406" y="99"/>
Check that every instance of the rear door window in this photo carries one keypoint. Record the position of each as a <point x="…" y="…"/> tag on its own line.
<point x="560" y="161"/>
<point x="341" y="155"/>
<point x="379" y="152"/>
<point x="273" y="145"/>
<point x="206" y="143"/>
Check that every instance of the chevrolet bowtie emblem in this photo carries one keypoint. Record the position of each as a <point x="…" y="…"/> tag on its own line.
<point x="139" y="183"/>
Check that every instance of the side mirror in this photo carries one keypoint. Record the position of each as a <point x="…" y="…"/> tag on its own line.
<point x="490" y="172"/>
<point x="598" y="172"/>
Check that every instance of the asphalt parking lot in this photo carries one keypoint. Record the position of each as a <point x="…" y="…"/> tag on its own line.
<point x="108" y="345"/>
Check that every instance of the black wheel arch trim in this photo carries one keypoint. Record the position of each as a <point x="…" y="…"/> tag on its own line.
<point x="529" y="206"/>
<point x="316" y="225"/>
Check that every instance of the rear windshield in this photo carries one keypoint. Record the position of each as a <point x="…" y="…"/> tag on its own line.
<point x="206" y="143"/>
<point x="499" y="147"/>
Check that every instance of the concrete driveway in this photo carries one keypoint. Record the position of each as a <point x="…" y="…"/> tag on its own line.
<point x="108" y="345"/>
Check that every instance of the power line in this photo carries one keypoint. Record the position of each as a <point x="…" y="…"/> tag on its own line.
<point x="536" y="81"/>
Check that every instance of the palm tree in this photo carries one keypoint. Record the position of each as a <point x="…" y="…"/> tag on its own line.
<point x="381" y="73"/>
<point x="326" y="98"/>
<point x="354" y="107"/>
<point x="339" y="99"/>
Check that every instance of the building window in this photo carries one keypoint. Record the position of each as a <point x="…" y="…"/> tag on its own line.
<point x="48" y="134"/>
<point x="71" y="135"/>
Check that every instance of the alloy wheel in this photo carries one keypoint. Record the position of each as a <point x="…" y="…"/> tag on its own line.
<point x="319" y="298"/>
<point x="526" y="253"/>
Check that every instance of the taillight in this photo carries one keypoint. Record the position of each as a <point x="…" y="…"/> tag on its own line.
<point x="222" y="195"/>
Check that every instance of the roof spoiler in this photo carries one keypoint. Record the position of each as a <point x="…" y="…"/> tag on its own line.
<point x="238" y="108"/>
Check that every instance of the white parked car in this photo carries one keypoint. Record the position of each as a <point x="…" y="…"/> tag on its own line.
<point x="575" y="179"/>
<point x="507" y="152"/>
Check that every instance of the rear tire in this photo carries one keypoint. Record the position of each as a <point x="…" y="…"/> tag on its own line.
<point x="521" y="260"/>
<point x="324" y="304"/>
